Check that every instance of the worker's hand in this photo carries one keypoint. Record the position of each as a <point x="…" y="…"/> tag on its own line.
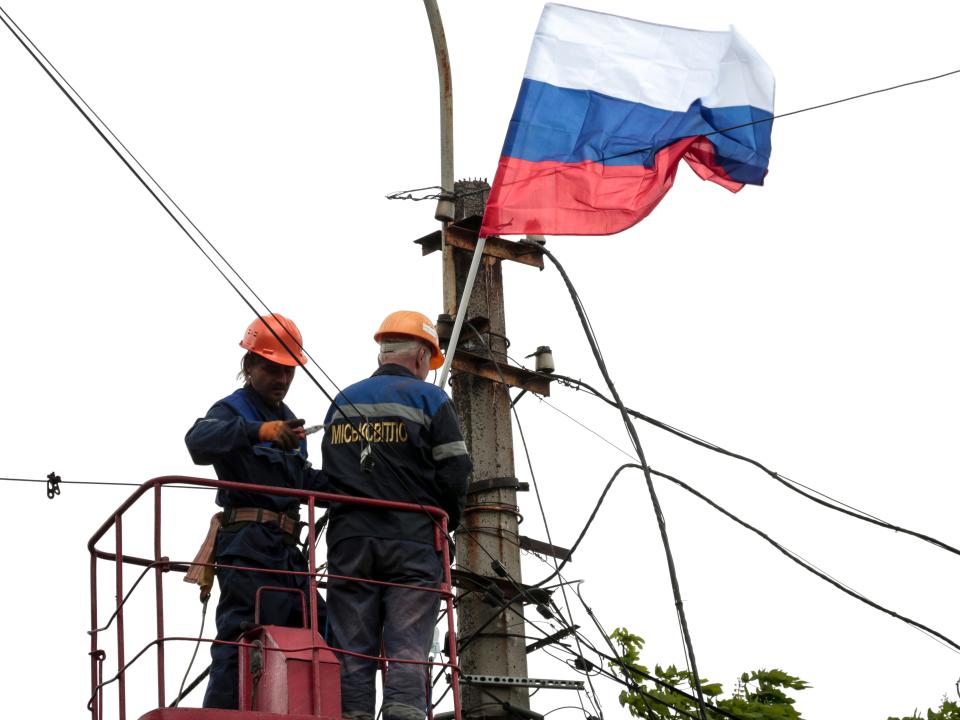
<point x="285" y="434"/>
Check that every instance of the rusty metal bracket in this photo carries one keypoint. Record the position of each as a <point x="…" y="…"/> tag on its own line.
<point x="464" y="234"/>
<point x="551" y="639"/>
<point x="467" y="580"/>
<point x="480" y="325"/>
<point x="538" y="546"/>
<point x="486" y="367"/>
<point x="469" y="362"/>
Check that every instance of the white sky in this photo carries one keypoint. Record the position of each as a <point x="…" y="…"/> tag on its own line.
<point x="809" y="323"/>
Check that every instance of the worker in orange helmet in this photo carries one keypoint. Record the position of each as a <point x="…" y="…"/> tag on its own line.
<point x="252" y="437"/>
<point x="406" y="446"/>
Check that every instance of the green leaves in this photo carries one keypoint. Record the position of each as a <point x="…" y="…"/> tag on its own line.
<point x="760" y="695"/>
<point x="948" y="710"/>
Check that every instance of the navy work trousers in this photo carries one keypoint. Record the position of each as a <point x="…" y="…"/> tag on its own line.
<point x="235" y="610"/>
<point x="361" y="615"/>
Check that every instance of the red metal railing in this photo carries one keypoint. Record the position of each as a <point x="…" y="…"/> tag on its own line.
<point x="160" y="564"/>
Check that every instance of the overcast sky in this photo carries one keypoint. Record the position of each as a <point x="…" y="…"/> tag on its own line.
<point x="809" y="323"/>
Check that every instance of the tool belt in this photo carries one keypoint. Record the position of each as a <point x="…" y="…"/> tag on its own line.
<point x="201" y="569"/>
<point x="288" y="523"/>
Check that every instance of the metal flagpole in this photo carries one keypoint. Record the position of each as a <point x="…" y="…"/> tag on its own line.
<point x="461" y="311"/>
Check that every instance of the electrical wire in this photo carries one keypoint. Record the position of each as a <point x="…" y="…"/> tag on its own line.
<point x="565" y="707"/>
<point x="186" y="674"/>
<point x="100" y="482"/>
<point x="932" y="634"/>
<point x="937" y="636"/>
<point x="159" y="188"/>
<point x="632" y="431"/>
<point x="797" y="112"/>
<point x="592" y="695"/>
<point x="24" y="40"/>
<point x="648" y="148"/>
<point x="140" y="173"/>
<point x="866" y="517"/>
<point x="62" y="84"/>
<point x="589" y="330"/>
<point x="793" y="485"/>
<point x="613" y="657"/>
<point x="808" y="566"/>
<point x="617" y="660"/>
<point x="632" y="685"/>
<point x="635" y="687"/>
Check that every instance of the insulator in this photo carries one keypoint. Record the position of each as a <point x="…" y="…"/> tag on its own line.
<point x="544" y="358"/>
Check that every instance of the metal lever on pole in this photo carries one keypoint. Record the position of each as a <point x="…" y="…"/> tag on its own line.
<point x="461" y="311"/>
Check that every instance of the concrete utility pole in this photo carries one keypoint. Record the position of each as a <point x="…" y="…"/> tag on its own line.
<point x="495" y="655"/>
<point x="484" y="408"/>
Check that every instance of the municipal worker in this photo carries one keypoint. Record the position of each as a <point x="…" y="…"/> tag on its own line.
<point x="252" y="437"/>
<point x="390" y="437"/>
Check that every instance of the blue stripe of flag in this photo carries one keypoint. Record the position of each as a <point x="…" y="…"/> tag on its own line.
<point x="564" y="125"/>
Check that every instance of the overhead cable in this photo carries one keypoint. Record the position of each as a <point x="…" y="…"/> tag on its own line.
<point x="101" y="482"/>
<point x="942" y="639"/>
<point x="141" y="174"/>
<point x="153" y="187"/>
<point x="798" y="112"/>
<point x="408" y="194"/>
<point x="823" y="499"/>
<point x="592" y="695"/>
<point x="806" y="565"/>
<point x="631" y="430"/>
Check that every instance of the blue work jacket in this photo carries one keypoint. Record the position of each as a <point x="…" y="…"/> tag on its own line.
<point x="418" y="452"/>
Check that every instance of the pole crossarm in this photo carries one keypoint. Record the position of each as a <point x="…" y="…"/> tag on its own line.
<point x="463" y="235"/>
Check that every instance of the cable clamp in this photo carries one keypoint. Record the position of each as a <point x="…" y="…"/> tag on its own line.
<point x="53" y="485"/>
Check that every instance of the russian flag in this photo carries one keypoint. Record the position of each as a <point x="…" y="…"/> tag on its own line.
<point x="608" y="108"/>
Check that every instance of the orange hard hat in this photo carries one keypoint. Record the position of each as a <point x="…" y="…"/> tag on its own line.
<point x="412" y="324"/>
<point x="258" y="339"/>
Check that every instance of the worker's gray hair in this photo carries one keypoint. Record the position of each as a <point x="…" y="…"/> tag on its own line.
<point x="401" y="347"/>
